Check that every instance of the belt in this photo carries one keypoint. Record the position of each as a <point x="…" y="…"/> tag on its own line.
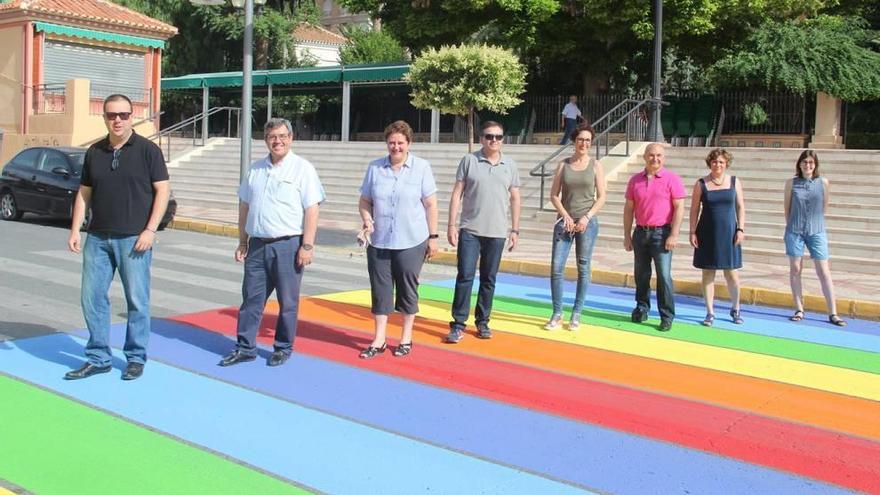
<point x="270" y="240"/>
<point x="652" y="227"/>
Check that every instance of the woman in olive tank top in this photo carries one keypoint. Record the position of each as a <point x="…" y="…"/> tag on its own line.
<point x="578" y="193"/>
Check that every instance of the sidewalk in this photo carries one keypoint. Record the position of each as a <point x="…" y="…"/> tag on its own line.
<point x="858" y="295"/>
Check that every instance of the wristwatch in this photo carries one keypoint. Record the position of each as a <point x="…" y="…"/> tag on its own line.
<point x="307" y="247"/>
<point x="434" y="236"/>
<point x="514" y="231"/>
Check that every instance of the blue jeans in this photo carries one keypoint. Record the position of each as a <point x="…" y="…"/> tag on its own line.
<point x="584" y="242"/>
<point x="489" y="250"/>
<point x="103" y="255"/>
<point x="650" y="245"/>
<point x="570" y="124"/>
<point x="269" y="267"/>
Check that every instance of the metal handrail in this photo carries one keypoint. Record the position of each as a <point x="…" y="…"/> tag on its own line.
<point x="193" y="120"/>
<point x="540" y="170"/>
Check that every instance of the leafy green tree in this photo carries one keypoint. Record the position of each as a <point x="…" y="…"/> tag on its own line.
<point x="827" y="54"/>
<point x="460" y="79"/>
<point x="419" y="24"/>
<point x="365" y="46"/>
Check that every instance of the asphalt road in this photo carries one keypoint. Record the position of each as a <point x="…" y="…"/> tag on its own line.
<point x="40" y="278"/>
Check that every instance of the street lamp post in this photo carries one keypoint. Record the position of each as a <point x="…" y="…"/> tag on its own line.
<point x="246" y="78"/>
<point x="656" y="126"/>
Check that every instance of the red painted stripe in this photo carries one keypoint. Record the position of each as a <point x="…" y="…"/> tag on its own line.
<point x="840" y="459"/>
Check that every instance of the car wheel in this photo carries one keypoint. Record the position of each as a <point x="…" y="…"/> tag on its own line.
<point x="8" y="207"/>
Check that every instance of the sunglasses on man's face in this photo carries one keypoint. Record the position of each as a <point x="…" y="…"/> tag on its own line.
<point x="111" y="116"/>
<point x="493" y="137"/>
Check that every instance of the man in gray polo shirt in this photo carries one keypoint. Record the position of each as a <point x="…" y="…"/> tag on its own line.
<point x="487" y="191"/>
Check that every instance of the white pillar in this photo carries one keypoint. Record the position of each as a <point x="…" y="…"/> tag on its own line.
<point x="435" y="125"/>
<point x="204" y="114"/>
<point x="269" y="104"/>
<point x="346" y="110"/>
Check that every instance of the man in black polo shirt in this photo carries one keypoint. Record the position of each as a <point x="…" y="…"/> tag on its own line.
<point x="125" y="182"/>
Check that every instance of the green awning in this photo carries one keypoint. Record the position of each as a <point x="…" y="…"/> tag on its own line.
<point x="300" y="76"/>
<point x="89" y="34"/>
<point x="374" y="73"/>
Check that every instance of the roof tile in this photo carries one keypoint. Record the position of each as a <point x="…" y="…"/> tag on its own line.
<point x="102" y="11"/>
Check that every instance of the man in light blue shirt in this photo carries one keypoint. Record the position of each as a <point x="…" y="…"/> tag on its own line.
<point x="277" y="222"/>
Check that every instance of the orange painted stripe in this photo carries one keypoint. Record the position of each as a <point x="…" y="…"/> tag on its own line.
<point x="825" y="410"/>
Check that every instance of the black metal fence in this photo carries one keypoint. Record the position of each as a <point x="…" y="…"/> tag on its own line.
<point x="786" y="113"/>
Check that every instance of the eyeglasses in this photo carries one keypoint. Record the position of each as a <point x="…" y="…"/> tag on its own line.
<point x="277" y="137"/>
<point x="111" y="116"/>
<point x="115" y="163"/>
<point x="493" y="137"/>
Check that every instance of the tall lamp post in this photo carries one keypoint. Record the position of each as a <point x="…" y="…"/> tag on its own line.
<point x="656" y="126"/>
<point x="246" y="79"/>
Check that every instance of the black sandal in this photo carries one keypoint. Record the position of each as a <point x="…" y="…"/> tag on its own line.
<point x="797" y="316"/>
<point x="371" y="351"/>
<point x="736" y="317"/>
<point x="402" y="350"/>
<point x="836" y="320"/>
<point x="708" y="320"/>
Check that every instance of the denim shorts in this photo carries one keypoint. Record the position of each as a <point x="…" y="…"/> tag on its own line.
<point x="817" y="244"/>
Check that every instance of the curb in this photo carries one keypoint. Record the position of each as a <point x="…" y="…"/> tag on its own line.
<point x="855" y="308"/>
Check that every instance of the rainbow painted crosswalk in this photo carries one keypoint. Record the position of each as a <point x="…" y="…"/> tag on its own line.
<point x="767" y="407"/>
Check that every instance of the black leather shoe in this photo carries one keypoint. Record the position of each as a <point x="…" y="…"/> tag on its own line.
<point x="278" y="358"/>
<point x="236" y="357"/>
<point x="133" y="371"/>
<point x="665" y="325"/>
<point x="639" y="316"/>
<point x="86" y="371"/>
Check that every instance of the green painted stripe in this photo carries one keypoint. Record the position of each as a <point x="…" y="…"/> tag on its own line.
<point x="52" y="445"/>
<point x="838" y="357"/>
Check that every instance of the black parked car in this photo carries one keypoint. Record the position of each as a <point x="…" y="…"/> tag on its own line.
<point x="45" y="181"/>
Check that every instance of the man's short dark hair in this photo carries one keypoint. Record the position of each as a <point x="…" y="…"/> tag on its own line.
<point x="117" y="97"/>
<point x="491" y="123"/>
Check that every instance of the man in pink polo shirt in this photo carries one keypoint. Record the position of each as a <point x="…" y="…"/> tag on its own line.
<point x="656" y="197"/>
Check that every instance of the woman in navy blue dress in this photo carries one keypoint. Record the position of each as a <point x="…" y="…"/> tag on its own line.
<point x="717" y="229"/>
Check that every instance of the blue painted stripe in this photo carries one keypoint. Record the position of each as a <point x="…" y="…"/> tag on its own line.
<point x="321" y="451"/>
<point x="760" y="320"/>
<point x="579" y="453"/>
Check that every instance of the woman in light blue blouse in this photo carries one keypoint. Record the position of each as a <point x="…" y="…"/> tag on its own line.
<point x="398" y="207"/>
<point x="806" y="199"/>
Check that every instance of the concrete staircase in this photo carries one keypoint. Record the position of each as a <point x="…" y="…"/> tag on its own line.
<point x="208" y="177"/>
<point x="205" y="183"/>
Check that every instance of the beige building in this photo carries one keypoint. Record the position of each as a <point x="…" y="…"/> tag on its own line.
<point x="317" y="43"/>
<point x="61" y="58"/>
<point x="336" y="17"/>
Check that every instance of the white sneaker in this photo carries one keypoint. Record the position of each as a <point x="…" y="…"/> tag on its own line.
<point x="554" y="322"/>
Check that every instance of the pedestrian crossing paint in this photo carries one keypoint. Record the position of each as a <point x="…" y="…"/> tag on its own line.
<point x="616" y="407"/>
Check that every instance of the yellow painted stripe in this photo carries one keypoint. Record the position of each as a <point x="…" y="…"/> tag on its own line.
<point x="4" y="491"/>
<point x="811" y="375"/>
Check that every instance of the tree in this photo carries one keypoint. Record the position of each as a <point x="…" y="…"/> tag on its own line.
<point x="420" y="24"/>
<point x="826" y="54"/>
<point x="459" y="79"/>
<point x="366" y="46"/>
